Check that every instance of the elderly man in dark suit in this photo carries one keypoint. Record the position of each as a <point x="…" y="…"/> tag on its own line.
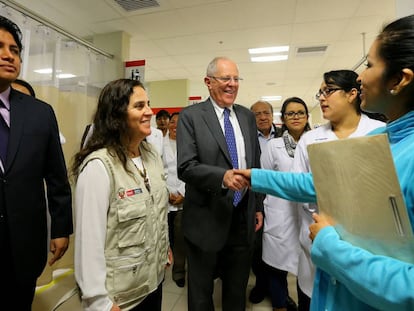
<point x="220" y="213"/>
<point x="30" y="158"/>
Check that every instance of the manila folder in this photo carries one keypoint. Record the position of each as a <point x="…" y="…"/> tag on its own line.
<point x="357" y="186"/>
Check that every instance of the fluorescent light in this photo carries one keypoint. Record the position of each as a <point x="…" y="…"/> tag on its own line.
<point x="270" y="49"/>
<point x="271" y="98"/>
<point x="44" y="71"/>
<point x="65" y="75"/>
<point x="270" y="58"/>
<point x="59" y="75"/>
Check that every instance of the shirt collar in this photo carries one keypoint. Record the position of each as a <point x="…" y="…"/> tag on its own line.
<point x="4" y="96"/>
<point x="219" y="110"/>
<point x="272" y="133"/>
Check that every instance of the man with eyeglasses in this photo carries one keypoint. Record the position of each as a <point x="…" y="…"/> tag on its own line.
<point x="266" y="130"/>
<point x="220" y="214"/>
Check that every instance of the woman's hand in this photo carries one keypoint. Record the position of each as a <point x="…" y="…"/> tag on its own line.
<point x="321" y="221"/>
<point x="247" y="173"/>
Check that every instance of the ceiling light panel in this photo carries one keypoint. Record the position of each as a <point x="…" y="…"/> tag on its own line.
<point x="270" y="49"/>
<point x="269" y="58"/>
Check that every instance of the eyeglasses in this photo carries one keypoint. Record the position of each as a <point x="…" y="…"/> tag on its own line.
<point x="327" y="92"/>
<point x="226" y="79"/>
<point x="292" y="115"/>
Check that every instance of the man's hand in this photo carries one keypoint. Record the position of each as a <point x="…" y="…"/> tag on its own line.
<point x="234" y="181"/>
<point x="58" y="248"/>
<point x="246" y="173"/>
<point x="176" y="199"/>
<point x="259" y="221"/>
<point x="170" y="256"/>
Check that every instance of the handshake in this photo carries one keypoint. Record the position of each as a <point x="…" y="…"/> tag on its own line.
<point x="237" y="179"/>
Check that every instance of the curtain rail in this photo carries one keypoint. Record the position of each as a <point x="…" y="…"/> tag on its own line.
<point x="55" y="27"/>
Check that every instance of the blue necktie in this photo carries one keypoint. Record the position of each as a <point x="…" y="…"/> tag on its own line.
<point x="231" y="146"/>
<point x="4" y="137"/>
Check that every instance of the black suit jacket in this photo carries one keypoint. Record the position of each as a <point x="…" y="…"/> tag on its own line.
<point x="202" y="160"/>
<point x="34" y="159"/>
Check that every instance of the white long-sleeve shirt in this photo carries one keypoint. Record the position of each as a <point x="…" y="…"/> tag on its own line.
<point x="92" y="203"/>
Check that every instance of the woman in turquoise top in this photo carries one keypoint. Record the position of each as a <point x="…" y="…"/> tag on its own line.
<point x="348" y="277"/>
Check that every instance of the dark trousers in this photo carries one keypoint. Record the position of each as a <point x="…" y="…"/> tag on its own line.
<point x="22" y="289"/>
<point x="232" y="263"/>
<point x="278" y="287"/>
<point x="303" y="300"/>
<point x="152" y="302"/>
<point x="259" y="266"/>
<point x="177" y="244"/>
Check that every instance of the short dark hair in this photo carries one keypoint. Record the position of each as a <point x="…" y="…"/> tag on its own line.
<point x="162" y="113"/>
<point x="13" y="29"/>
<point x="263" y="102"/>
<point x="174" y="114"/>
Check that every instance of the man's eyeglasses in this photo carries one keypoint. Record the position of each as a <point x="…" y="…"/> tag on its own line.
<point x="292" y="115"/>
<point x="226" y="79"/>
<point x="327" y="92"/>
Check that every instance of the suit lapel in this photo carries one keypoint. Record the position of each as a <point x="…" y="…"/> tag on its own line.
<point x="245" y="128"/>
<point x="213" y="124"/>
<point x="17" y="116"/>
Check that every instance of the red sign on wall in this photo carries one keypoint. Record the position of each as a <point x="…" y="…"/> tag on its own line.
<point x="194" y="100"/>
<point x="135" y="70"/>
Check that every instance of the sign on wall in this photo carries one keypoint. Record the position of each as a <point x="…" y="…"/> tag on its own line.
<point x="194" y="100"/>
<point x="135" y="70"/>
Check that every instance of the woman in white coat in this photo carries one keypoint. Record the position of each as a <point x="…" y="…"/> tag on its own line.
<point x="281" y="230"/>
<point x="340" y="104"/>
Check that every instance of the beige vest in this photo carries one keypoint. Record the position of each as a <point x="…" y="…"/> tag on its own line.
<point x="137" y="231"/>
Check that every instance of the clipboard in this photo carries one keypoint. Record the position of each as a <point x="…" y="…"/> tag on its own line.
<point x="357" y="186"/>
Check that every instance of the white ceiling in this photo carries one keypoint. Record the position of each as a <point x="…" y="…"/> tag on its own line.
<point x="180" y="37"/>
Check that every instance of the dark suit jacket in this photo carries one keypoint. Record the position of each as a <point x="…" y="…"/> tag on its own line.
<point x="202" y="160"/>
<point x="34" y="158"/>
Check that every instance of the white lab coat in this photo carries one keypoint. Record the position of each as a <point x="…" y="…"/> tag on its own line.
<point x="156" y="139"/>
<point x="306" y="269"/>
<point x="174" y="184"/>
<point x="281" y="229"/>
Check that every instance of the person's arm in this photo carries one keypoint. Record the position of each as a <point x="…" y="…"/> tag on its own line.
<point x="383" y="282"/>
<point x="92" y="202"/>
<point x="59" y="195"/>
<point x="286" y="185"/>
